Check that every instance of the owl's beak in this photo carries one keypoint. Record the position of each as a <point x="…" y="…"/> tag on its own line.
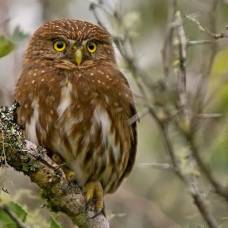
<point x="78" y="56"/>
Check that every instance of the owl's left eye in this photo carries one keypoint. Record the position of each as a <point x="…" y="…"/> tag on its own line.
<point x="59" y="45"/>
<point x="91" y="46"/>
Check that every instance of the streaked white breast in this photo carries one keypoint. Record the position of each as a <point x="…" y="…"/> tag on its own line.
<point x="65" y="99"/>
<point x="102" y="119"/>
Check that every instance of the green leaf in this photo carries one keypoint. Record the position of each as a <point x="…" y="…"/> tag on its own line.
<point x="6" y="46"/>
<point x="18" y="210"/>
<point x="6" y="221"/>
<point x="54" y="223"/>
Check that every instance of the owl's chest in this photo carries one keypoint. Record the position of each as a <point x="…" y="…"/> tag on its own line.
<point x="84" y="134"/>
<point x="86" y="125"/>
<point x="76" y="122"/>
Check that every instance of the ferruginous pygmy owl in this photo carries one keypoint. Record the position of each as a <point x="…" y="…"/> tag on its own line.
<point x="76" y="103"/>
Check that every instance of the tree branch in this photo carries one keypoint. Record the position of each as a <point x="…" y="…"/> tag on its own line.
<point x="32" y="160"/>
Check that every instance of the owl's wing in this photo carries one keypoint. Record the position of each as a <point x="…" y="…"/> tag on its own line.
<point x="133" y="125"/>
<point x="132" y="156"/>
<point x="129" y="106"/>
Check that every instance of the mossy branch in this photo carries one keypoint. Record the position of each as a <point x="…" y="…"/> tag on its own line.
<point x="32" y="160"/>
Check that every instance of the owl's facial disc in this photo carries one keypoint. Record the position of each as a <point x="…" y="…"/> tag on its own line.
<point x="80" y="53"/>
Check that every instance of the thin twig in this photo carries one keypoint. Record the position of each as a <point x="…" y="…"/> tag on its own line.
<point x="182" y="55"/>
<point x="201" y="205"/>
<point x="191" y="182"/>
<point x="221" y="190"/>
<point x="193" y="43"/>
<point x="156" y="165"/>
<point x="138" y="116"/>
<point x="202" y="28"/>
<point x="199" y="97"/>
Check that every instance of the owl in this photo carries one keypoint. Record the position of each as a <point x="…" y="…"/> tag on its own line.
<point x="74" y="101"/>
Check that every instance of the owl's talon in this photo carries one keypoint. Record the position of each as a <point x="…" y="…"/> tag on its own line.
<point x="94" y="193"/>
<point x="70" y="175"/>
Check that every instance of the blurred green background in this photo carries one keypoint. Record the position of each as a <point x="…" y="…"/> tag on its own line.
<point x="150" y="197"/>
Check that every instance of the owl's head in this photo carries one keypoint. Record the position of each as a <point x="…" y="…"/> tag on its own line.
<point x="70" y="44"/>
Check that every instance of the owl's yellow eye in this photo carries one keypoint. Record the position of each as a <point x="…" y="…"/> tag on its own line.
<point x="59" y="45"/>
<point x="92" y="47"/>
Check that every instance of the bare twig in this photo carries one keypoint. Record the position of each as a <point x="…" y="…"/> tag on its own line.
<point x="177" y="30"/>
<point x="182" y="55"/>
<point x="209" y="115"/>
<point x="201" y="205"/>
<point x="191" y="183"/>
<point x="212" y="34"/>
<point x="156" y="165"/>
<point x="182" y="46"/>
<point x="138" y="116"/>
<point x="189" y="179"/>
<point x="202" y="28"/>
<point x="191" y="43"/>
<point x="221" y="190"/>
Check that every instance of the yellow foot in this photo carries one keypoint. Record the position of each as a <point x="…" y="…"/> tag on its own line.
<point x="94" y="194"/>
<point x="70" y="175"/>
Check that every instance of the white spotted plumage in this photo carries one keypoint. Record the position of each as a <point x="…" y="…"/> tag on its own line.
<point x="80" y="112"/>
